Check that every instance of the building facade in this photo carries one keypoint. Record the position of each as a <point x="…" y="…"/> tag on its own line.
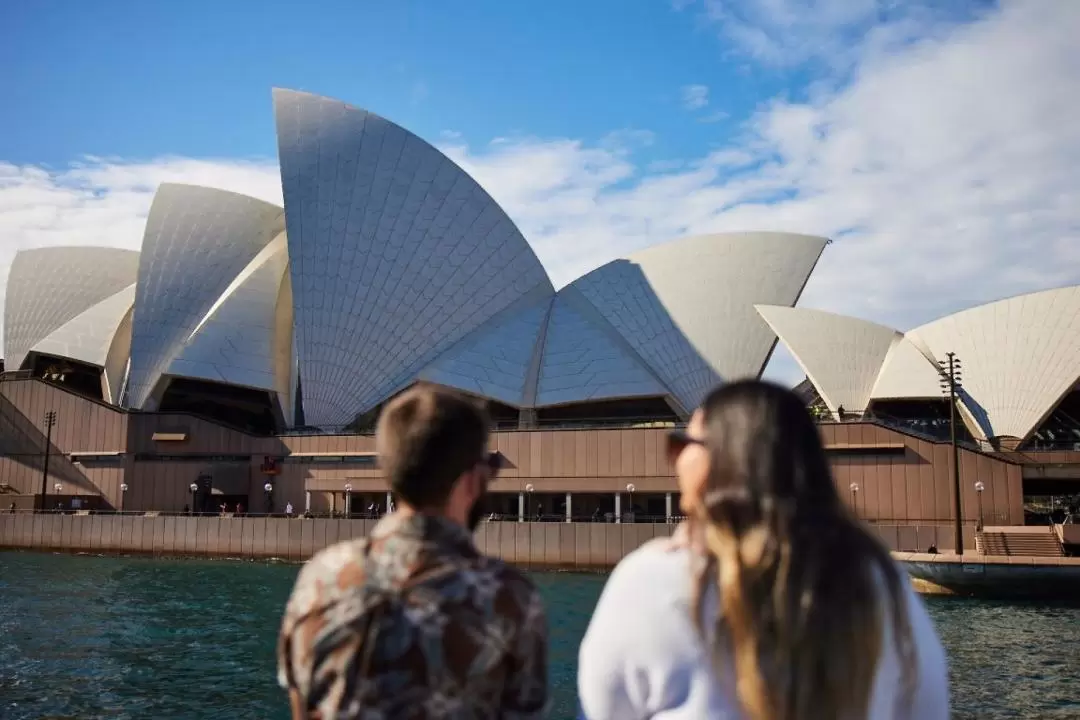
<point x="241" y="357"/>
<point x="106" y="457"/>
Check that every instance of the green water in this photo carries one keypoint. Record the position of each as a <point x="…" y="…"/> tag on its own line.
<point x="93" y="637"/>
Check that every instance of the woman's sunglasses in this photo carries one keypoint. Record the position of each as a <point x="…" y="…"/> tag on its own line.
<point x="677" y="441"/>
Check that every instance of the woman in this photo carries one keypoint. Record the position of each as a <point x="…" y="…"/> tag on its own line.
<point x="772" y="602"/>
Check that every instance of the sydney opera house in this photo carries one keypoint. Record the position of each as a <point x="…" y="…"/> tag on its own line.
<point x="242" y="354"/>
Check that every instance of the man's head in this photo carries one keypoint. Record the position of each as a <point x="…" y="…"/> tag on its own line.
<point x="432" y="446"/>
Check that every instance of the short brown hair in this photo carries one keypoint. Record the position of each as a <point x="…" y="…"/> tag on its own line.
<point x="426" y="438"/>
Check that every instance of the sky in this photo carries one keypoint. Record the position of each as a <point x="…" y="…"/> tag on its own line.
<point x="935" y="141"/>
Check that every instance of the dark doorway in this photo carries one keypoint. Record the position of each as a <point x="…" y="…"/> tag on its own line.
<point x="76" y="376"/>
<point x="644" y="410"/>
<point x="243" y="408"/>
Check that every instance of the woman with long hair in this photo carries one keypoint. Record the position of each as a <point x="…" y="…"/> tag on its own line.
<point x="772" y="601"/>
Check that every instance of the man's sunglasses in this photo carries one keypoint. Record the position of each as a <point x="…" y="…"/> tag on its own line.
<point x="677" y="441"/>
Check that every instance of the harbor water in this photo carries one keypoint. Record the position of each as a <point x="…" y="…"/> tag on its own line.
<point x="105" y="637"/>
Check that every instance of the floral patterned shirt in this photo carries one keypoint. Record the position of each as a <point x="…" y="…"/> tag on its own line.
<point x="413" y="622"/>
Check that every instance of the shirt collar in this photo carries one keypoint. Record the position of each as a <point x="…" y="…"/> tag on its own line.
<point x="431" y="530"/>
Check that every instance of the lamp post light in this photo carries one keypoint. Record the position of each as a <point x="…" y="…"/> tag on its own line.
<point x="194" y="488"/>
<point x="50" y="420"/>
<point x="528" y="503"/>
<point x="123" y="494"/>
<point x="854" y="497"/>
<point x="348" y="499"/>
<point x="269" y="490"/>
<point x="630" y="490"/>
<point x="979" y="487"/>
<point x="951" y="386"/>
<point x="59" y="488"/>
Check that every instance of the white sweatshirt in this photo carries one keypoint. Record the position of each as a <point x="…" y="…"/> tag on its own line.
<point x="642" y="657"/>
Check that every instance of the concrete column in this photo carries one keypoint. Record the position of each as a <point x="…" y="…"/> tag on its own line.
<point x="618" y="507"/>
<point x="307" y="501"/>
<point x="389" y="501"/>
<point x="569" y="513"/>
<point x="521" y="507"/>
<point x="667" y="506"/>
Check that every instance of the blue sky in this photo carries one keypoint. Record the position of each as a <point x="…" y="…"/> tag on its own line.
<point x="935" y="140"/>
<point x="144" y="79"/>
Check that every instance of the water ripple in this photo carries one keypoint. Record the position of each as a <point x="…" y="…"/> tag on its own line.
<point x="126" y="638"/>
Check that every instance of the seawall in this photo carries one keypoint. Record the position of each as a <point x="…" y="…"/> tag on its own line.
<point x="1053" y="578"/>
<point x="584" y="546"/>
<point x="563" y="546"/>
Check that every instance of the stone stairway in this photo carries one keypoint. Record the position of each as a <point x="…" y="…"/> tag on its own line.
<point x="1026" y="541"/>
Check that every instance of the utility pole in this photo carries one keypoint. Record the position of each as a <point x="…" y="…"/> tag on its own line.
<point x="50" y="420"/>
<point x="950" y="385"/>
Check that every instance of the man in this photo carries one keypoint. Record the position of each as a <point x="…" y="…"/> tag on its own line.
<point x="412" y="622"/>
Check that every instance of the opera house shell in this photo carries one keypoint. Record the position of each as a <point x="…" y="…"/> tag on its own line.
<point x="387" y="265"/>
<point x="1019" y="361"/>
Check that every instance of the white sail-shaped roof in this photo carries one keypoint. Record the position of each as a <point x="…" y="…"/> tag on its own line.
<point x="88" y="336"/>
<point x="1019" y="356"/>
<point x="841" y="356"/>
<point x="907" y="373"/>
<point x="235" y="341"/>
<point x="389" y="264"/>
<point x="49" y="287"/>
<point x="687" y="307"/>
<point x="494" y="360"/>
<point x="396" y="254"/>
<point x="92" y="337"/>
<point x="197" y="241"/>
<point x="584" y="358"/>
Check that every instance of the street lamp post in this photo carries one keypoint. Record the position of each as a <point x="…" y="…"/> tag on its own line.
<point x="50" y="420"/>
<point x="59" y="488"/>
<point x="194" y="488"/>
<point x="269" y="490"/>
<point x="979" y="487"/>
<point x="348" y="499"/>
<point x="854" y="497"/>
<point x="123" y="494"/>
<point x="528" y="503"/>
<point x="950" y="385"/>
<point x="630" y="490"/>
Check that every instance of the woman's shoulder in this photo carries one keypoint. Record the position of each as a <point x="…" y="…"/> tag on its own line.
<point x="656" y="572"/>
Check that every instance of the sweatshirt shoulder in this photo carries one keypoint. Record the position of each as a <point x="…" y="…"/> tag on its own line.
<point x="653" y="573"/>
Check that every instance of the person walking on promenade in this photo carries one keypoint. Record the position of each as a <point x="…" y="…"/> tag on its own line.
<point x="413" y="622"/>
<point x="772" y="601"/>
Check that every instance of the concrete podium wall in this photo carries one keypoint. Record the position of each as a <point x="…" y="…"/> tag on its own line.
<point x="565" y="545"/>
<point x="554" y="545"/>
<point x="95" y="448"/>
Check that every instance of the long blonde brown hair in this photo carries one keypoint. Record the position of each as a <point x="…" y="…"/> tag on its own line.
<point x="803" y="587"/>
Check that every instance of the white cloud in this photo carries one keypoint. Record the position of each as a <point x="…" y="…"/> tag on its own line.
<point x="784" y="33"/>
<point x="948" y="170"/>
<point x="714" y="117"/>
<point x="695" y="97"/>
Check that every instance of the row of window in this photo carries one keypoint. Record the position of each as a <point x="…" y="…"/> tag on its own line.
<point x="329" y="459"/>
<point x="115" y="460"/>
